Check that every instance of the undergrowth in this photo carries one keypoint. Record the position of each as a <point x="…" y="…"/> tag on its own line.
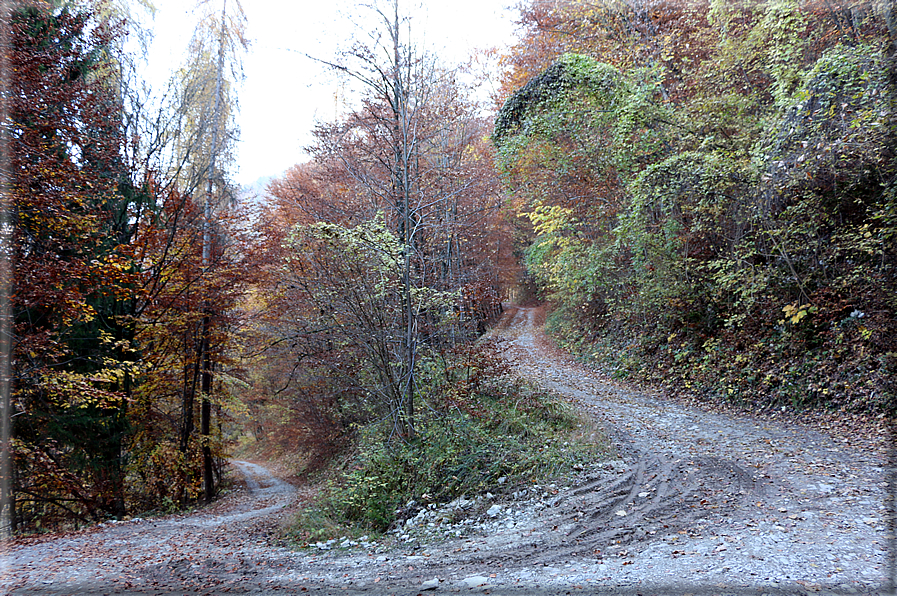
<point x="827" y="366"/>
<point x="479" y="430"/>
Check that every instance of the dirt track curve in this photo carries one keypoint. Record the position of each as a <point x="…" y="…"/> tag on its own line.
<point x="697" y="503"/>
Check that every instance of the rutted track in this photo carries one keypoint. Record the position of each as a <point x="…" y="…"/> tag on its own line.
<point x="699" y="503"/>
<point x="701" y="498"/>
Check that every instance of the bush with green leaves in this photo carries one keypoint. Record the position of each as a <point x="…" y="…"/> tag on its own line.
<point x="471" y="435"/>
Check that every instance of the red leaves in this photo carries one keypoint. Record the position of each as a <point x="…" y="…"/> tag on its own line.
<point x="110" y="283"/>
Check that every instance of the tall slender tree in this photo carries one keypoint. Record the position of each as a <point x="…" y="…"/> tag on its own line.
<point x="396" y="75"/>
<point x="228" y="32"/>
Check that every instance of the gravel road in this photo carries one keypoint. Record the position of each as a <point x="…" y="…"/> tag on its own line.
<point x="696" y="503"/>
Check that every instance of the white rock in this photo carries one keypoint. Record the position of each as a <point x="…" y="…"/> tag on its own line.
<point x="474" y="581"/>
<point x="621" y="513"/>
<point x="494" y="511"/>
<point x="431" y="584"/>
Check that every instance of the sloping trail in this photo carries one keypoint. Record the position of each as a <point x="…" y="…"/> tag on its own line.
<point x="215" y="550"/>
<point x="707" y="497"/>
<point x="698" y="503"/>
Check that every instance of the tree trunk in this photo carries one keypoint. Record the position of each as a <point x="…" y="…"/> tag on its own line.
<point x="206" y="384"/>
<point x="7" y="495"/>
<point x="208" y="478"/>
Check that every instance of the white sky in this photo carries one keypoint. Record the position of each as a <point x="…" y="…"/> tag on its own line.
<point x="285" y="93"/>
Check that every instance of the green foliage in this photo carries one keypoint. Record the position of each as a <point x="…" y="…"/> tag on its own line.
<point x="350" y="293"/>
<point x="479" y="427"/>
<point x="589" y="126"/>
<point x="783" y="34"/>
<point x="683" y="214"/>
<point x="571" y="77"/>
<point x="727" y="260"/>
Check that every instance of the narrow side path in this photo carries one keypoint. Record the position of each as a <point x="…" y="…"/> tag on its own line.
<point x="216" y="550"/>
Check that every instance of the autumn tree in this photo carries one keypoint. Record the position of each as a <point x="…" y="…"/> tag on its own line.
<point x="124" y="247"/>
<point x="73" y="343"/>
<point x="396" y="78"/>
<point x="188" y="241"/>
<point x="411" y="166"/>
<point x="168" y="459"/>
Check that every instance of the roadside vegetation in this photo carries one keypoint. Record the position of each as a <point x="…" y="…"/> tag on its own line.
<point x="710" y="195"/>
<point x="481" y="431"/>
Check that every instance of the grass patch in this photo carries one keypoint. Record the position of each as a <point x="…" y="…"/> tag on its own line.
<point x="478" y="431"/>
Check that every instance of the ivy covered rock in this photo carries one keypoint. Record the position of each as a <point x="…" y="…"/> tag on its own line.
<point x="552" y="89"/>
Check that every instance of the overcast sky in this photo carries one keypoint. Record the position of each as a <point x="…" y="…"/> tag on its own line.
<point x="284" y="92"/>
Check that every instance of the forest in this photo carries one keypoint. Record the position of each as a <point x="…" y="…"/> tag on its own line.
<point x="702" y="192"/>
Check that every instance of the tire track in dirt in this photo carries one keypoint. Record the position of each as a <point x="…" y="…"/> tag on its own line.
<point x="798" y="507"/>
<point x="651" y="498"/>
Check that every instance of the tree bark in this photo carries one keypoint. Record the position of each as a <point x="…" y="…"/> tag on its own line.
<point x="206" y="383"/>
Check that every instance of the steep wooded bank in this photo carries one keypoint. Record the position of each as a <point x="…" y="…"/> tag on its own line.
<point x="709" y="191"/>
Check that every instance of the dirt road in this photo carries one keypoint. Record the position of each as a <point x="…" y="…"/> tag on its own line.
<point x="697" y="503"/>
